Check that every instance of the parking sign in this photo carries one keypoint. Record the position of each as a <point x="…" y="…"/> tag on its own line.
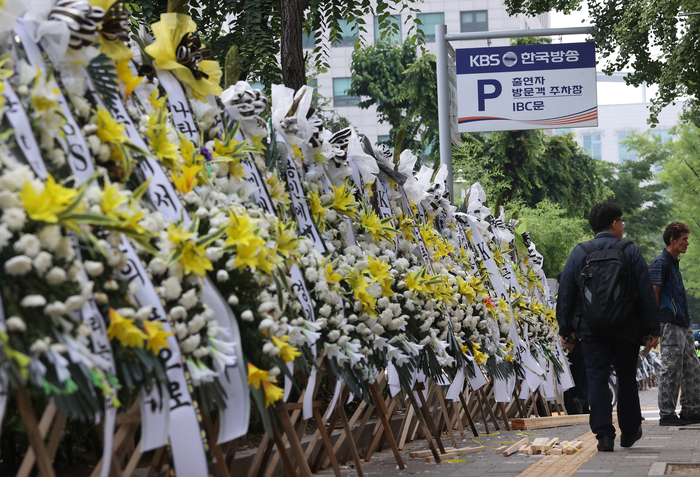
<point x="527" y="87"/>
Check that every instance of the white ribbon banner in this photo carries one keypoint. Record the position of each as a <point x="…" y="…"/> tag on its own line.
<point x="23" y="131"/>
<point x="179" y="106"/>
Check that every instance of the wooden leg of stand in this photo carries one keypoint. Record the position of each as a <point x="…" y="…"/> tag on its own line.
<point x="358" y="432"/>
<point x="282" y="452"/>
<point x="431" y="424"/>
<point x="213" y="431"/>
<point x="384" y="416"/>
<point x="351" y="441"/>
<point x="331" y="425"/>
<point x="448" y="421"/>
<point x="158" y="461"/>
<point x="35" y="438"/>
<point x="475" y="396"/>
<point x="231" y="454"/>
<point x="44" y="425"/>
<point x="469" y="415"/>
<point x="264" y="447"/>
<point x="297" y="451"/>
<point x="456" y="409"/>
<point x="326" y="440"/>
<point x="133" y="461"/>
<point x="502" y="407"/>
<point x="485" y="402"/>
<point x="378" y="434"/>
<point x="406" y="426"/>
<point x="424" y="425"/>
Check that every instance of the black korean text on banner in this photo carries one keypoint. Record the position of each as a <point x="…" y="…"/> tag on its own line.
<point x="179" y="107"/>
<point x="73" y="141"/>
<point x="160" y="189"/>
<point x="305" y="222"/>
<point x="22" y="128"/>
<point x="260" y="191"/>
<point x="425" y="256"/>
<point x="188" y="449"/>
<point x="385" y="206"/>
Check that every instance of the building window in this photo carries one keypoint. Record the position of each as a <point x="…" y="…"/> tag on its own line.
<point x="429" y="21"/>
<point x="308" y="41"/>
<point x="348" y="31"/>
<point x="258" y="85"/>
<point x="561" y="132"/>
<point x="593" y="146"/>
<point x="625" y="153"/>
<point x="665" y="136"/>
<point x="313" y="82"/>
<point x="340" y="93"/>
<point x="477" y="20"/>
<point x="393" y="33"/>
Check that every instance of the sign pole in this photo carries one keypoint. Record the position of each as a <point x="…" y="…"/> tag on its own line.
<point x="443" y="98"/>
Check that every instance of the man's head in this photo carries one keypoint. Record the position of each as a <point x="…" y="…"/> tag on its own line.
<point x="607" y="217"/>
<point x="676" y="238"/>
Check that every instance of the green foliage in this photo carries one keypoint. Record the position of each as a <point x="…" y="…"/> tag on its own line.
<point x="641" y="197"/>
<point x="403" y="87"/>
<point x="647" y="37"/>
<point x="254" y="26"/>
<point x="553" y="231"/>
<point x="531" y="166"/>
<point x="681" y="176"/>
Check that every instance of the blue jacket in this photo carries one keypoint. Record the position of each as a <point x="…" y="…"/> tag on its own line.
<point x="646" y="319"/>
<point x="673" y="306"/>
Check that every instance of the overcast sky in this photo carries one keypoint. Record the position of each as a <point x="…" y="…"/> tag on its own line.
<point x="608" y="93"/>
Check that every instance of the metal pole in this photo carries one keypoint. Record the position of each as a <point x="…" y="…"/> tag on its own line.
<point x="443" y="98"/>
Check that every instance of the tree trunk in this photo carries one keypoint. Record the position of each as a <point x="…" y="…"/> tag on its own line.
<point x="293" y="65"/>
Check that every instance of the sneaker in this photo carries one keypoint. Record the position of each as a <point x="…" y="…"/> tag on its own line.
<point x="691" y="418"/>
<point x="606" y="444"/>
<point x="628" y="441"/>
<point x="671" y="420"/>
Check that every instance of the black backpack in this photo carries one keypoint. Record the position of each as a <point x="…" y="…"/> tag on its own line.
<point x="607" y="295"/>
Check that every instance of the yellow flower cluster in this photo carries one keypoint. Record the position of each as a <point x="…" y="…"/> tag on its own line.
<point x="130" y="336"/>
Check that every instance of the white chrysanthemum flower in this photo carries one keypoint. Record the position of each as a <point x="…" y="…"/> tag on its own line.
<point x="9" y="199"/>
<point x="39" y="347"/>
<point x="171" y="288"/>
<point x="196" y="323"/>
<point x="111" y="285"/>
<point x="157" y="266"/>
<point x="101" y="298"/>
<point x="190" y="344"/>
<point x="55" y="308"/>
<point x="5" y="236"/>
<point x="222" y="276"/>
<point x="76" y="302"/>
<point x="19" y="265"/>
<point x="15" y="323"/>
<point x="144" y="313"/>
<point x="189" y="299"/>
<point x="94" y="269"/>
<point x="29" y="245"/>
<point x="178" y="313"/>
<point x="247" y="315"/>
<point x="42" y="262"/>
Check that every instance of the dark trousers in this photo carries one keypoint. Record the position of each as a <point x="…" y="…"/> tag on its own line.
<point x="599" y="354"/>
<point x="576" y="398"/>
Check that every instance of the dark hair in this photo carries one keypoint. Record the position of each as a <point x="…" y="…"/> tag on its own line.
<point x="675" y="230"/>
<point x="603" y="215"/>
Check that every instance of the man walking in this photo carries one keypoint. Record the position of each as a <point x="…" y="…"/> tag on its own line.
<point x="606" y="299"/>
<point x="679" y="364"/>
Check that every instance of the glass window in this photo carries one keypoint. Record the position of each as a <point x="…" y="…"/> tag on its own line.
<point x="386" y="140"/>
<point x="348" y="31"/>
<point x="593" y="146"/>
<point x="393" y="33"/>
<point x="625" y="153"/>
<point x="340" y="94"/>
<point x="665" y="136"/>
<point x="258" y="85"/>
<point x="429" y="20"/>
<point x="313" y="82"/>
<point x="308" y="41"/>
<point x="476" y="20"/>
<point x="561" y="132"/>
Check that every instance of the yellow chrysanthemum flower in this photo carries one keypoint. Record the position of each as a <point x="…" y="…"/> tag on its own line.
<point x="157" y="337"/>
<point x="47" y="205"/>
<point x="277" y="192"/>
<point x="169" y="32"/>
<point x="125" y="331"/>
<point x="256" y="376"/>
<point x="343" y="200"/>
<point x="372" y="224"/>
<point x="108" y="129"/>
<point x="287" y="352"/>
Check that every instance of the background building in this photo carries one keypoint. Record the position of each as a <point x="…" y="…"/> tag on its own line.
<point x="459" y="16"/>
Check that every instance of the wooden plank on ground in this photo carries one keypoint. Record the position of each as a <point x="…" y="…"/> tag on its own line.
<point x="457" y="453"/>
<point x="563" y="465"/>
<point x="514" y="448"/>
<point x="547" y="422"/>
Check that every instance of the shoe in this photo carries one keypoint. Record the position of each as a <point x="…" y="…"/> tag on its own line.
<point x="628" y="441"/>
<point x="606" y="444"/>
<point x="672" y="420"/>
<point x="691" y="418"/>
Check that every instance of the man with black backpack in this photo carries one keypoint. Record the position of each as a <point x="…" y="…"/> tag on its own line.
<point x="606" y="298"/>
<point x="679" y="366"/>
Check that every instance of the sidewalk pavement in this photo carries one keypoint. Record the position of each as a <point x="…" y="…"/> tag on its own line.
<point x="658" y="446"/>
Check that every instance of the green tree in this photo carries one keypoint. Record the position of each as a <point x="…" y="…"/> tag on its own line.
<point x="531" y="166"/>
<point x="553" y="231"/>
<point x="681" y="176"/>
<point x="649" y="37"/>
<point x="641" y="198"/>
<point x="269" y="31"/>
<point x="403" y="87"/>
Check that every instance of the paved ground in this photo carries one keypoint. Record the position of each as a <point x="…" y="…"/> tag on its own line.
<point x="659" y="445"/>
